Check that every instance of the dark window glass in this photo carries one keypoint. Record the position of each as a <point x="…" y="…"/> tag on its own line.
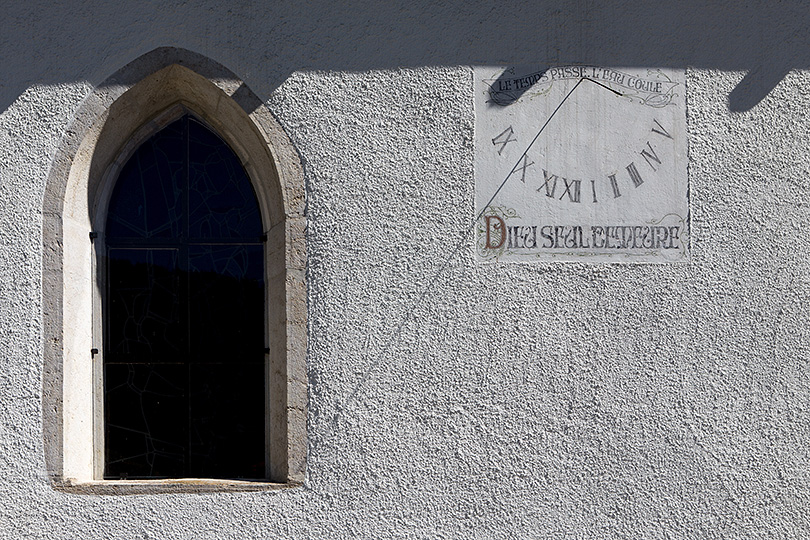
<point x="184" y="313"/>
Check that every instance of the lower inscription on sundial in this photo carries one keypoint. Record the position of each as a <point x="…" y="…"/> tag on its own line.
<point x="581" y="163"/>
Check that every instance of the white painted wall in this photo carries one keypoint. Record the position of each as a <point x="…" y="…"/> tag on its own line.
<point x="451" y="399"/>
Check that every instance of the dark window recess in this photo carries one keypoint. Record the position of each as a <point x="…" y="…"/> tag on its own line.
<point x="184" y="313"/>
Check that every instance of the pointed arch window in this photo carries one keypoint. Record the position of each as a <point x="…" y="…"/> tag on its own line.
<point x="160" y="360"/>
<point x="184" y="313"/>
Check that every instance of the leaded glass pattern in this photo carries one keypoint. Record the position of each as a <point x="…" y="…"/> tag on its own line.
<point x="184" y="313"/>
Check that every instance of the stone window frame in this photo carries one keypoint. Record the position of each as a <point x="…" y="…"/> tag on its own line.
<point x="110" y="124"/>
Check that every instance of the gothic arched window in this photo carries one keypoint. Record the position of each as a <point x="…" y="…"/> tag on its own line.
<point x="175" y="336"/>
<point x="184" y="313"/>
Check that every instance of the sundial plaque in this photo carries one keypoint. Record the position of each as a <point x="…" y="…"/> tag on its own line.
<point x="581" y="163"/>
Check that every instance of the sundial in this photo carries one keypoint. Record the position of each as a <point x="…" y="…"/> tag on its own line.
<point x="581" y="163"/>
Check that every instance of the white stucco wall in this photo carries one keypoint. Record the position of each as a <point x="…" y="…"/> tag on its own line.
<point x="450" y="398"/>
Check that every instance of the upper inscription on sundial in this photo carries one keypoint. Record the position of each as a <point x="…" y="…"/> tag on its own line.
<point x="581" y="163"/>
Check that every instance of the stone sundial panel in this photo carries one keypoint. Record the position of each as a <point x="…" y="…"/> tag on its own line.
<point x="581" y="163"/>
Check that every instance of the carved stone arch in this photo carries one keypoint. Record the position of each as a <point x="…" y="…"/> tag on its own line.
<point x="114" y="119"/>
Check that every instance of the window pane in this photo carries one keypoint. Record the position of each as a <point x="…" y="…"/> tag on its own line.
<point x="226" y="405"/>
<point x="147" y="199"/>
<point x="221" y="199"/>
<point x="226" y="303"/>
<point x="146" y="418"/>
<point x="146" y="317"/>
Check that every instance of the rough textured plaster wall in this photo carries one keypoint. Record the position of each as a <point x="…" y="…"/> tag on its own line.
<point x="544" y="401"/>
<point x="554" y="400"/>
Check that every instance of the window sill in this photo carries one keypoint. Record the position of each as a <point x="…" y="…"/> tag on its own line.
<point x="174" y="485"/>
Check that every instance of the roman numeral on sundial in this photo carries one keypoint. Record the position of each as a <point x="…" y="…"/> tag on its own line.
<point x="522" y="166"/>
<point x="634" y="174"/>
<point x="571" y="189"/>
<point x="661" y="130"/>
<point x="615" y="185"/>
<point x="550" y="188"/>
<point x="504" y="138"/>
<point x="650" y="156"/>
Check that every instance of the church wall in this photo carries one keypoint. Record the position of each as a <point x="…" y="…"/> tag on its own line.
<point x="449" y="397"/>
